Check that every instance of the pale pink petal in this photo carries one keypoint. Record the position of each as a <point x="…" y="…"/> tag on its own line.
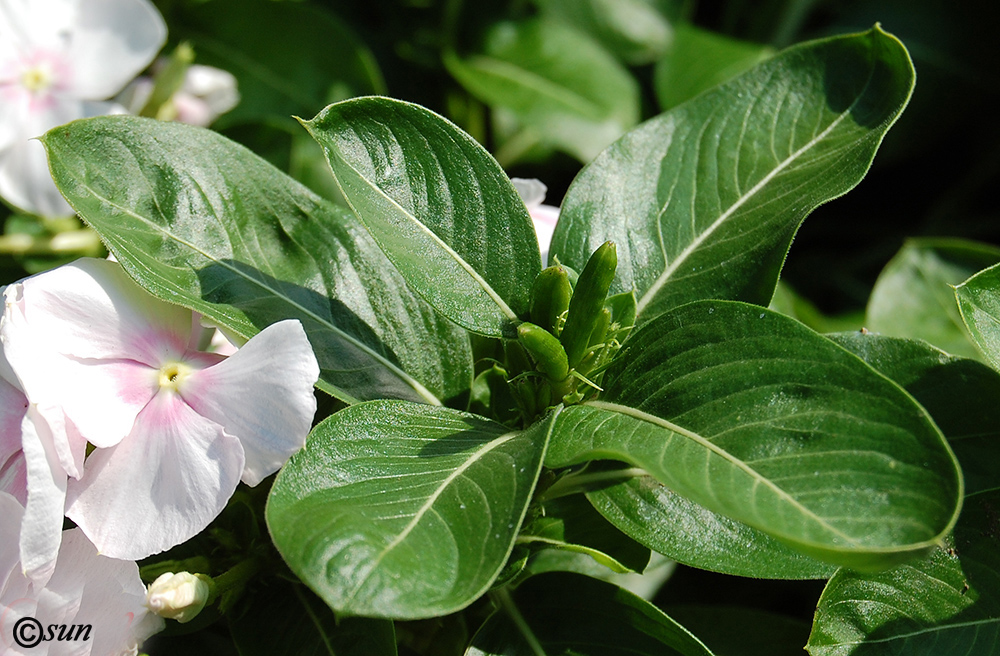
<point x="544" y="218"/>
<point x="91" y="309"/>
<point x="103" y="592"/>
<point x="11" y="512"/>
<point x="263" y="394"/>
<point x="25" y="180"/>
<point x="159" y="486"/>
<point x="41" y="529"/>
<point x="13" y="405"/>
<point x="101" y="397"/>
<point x="112" y="42"/>
<point x="14" y="477"/>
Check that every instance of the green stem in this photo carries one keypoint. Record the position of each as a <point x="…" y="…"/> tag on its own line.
<point x="503" y="599"/>
<point x="584" y="481"/>
<point x="234" y="578"/>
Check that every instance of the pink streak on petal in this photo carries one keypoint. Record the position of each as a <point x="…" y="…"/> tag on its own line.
<point x="158" y="487"/>
<point x="13" y="405"/>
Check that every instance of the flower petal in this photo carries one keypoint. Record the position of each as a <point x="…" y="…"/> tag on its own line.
<point x="90" y="309"/>
<point x="108" y="594"/>
<point x="263" y="394"/>
<point x="13" y="405"/>
<point x="112" y="41"/>
<point x="159" y="486"/>
<point x="10" y="525"/>
<point x="41" y="529"/>
<point x="25" y="180"/>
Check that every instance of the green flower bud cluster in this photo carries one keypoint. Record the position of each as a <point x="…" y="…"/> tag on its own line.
<point x="575" y="330"/>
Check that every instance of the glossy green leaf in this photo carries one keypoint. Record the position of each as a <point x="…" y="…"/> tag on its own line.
<point x="562" y="613"/>
<point x="438" y="204"/>
<point x="634" y="30"/>
<point x="288" y="58"/>
<point x="945" y="605"/>
<point x="691" y="534"/>
<point x="401" y="510"/>
<point x="200" y="221"/>
<point x="756" y="417"/>
<point x="557" y="81"/>
<point x="914" y="296"/>
<point x="571" y="524"/>
<point x="979" y="303"/>
<point x="961" y="396"/>
<point x="698" y="60"/>
<point x="286" y="619"/>
<point x="703" y="201"/>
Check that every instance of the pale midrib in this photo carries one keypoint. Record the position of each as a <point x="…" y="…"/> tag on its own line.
<point x="662" y="279"/>
<point x="701" y="441"/>
<point x="932" y="629"/>
<point x="427" y="505"/>
<point x="402" y="375"/>
<point x="459" y="260"/>
<point x="542" y="85"/>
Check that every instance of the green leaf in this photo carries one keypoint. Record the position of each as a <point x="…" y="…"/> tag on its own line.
<point x="979" y="303"/>
<point x="571" y="614"/>
<point x="961" y="396"/>
<point x="401" y="510"/>
<point x="439" y="206"/>
<point x="286" y="619"/>
<point x="200" y="221"/>
<point x="558" y="82"/>
<point x="703" y="201"/>
<point x="691" y="534"/>
<point x="914" y="296"/>
<point x="634" y="30"/>
<point x="571" y="524"/>
<point x="756" y="417"/>
<point x="698" y="60"/>
<point x="288" y="58"/>
<point x="945" y="605"/>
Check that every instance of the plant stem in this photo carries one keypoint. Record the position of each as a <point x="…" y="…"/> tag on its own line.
<point x="502" y="597"/>
<point x="575" y="483"/>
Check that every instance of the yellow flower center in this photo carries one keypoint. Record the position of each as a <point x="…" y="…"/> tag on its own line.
<point x="173" y="374"/>
<point x="37" y="78"/>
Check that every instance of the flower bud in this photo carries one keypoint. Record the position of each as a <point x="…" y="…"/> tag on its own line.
<point x="178" y="596"/>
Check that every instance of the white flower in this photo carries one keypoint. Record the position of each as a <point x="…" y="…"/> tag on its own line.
<point x="206" y="94"/>
<point x="59" y="61"/>
<point x="85" y="590"/>
<point x="178" y="596"/>
<point x="544" y="217"/>
<point x="176" y="429"/>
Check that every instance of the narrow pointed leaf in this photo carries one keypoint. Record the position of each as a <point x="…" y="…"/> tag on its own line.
<point x="401" y="510"/>
<point x="979" y="302"/>
<point x="914" y="296"/>
<point x="572" y="614"/>
<point x="754" y="416"/>
<point x="438" y="204"/>
<point x="199" y="220"/>
<point x="703" y="201"/>
<point x="947" y="604"/>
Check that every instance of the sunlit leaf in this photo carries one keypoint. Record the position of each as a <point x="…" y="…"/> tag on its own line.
<point x="703" y="201"/>
<point x="401" y="510"/>
<point x="200" y="221"/>
<point x="979" y="303"/>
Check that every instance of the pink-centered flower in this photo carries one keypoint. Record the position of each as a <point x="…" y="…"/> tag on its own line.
<point x="102" y="599"/>
<point x="175" y="428"/>
<point x="543" y="217"/>
<point x="59" y="61"/>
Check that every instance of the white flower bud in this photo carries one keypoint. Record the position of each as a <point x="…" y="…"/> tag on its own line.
<point x="178" y="596"/>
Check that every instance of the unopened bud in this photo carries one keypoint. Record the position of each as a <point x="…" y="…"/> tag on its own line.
<point x="178" y="596"/>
